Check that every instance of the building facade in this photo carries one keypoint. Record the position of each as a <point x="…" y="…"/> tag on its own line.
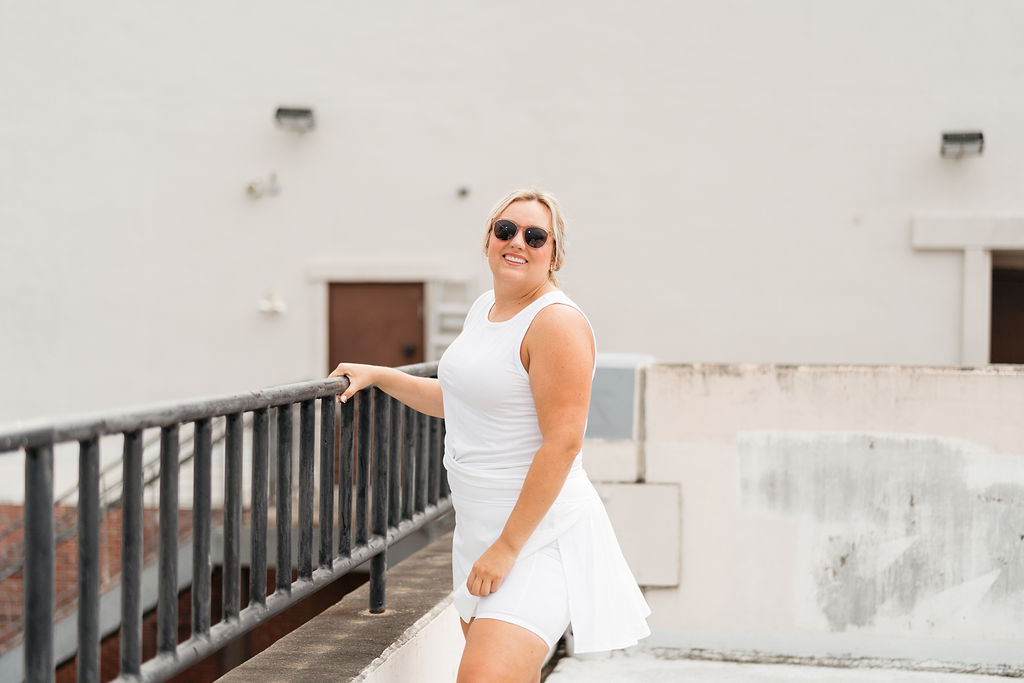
<point x="744" y="181"/>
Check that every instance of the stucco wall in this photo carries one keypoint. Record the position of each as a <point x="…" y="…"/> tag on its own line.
<point x="740" y="177"/>
<point x="866" y="511"/>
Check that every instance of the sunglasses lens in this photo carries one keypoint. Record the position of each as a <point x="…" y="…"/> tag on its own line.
<point x="505" y="230"/>
<point x="535" y="237"/>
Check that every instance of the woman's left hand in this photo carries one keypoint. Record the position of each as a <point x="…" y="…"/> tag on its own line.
<point x="491" y="568"/>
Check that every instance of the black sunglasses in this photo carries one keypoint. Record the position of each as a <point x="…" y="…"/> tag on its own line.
<point x="505" y="230"/>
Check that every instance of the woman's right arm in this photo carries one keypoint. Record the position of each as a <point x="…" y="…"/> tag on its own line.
<point x="419" y="393"/>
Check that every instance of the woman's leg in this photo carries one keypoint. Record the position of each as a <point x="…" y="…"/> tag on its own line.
<point x="502" y="652"/>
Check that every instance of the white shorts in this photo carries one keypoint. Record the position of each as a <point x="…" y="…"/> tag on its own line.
<point x="533" y="595"/>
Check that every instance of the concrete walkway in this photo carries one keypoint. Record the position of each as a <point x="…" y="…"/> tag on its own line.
<point x="343" y="642"/>
<point x="644" y="667"/>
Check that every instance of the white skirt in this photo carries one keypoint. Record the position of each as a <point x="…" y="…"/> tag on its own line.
<point x="605" y="605"/>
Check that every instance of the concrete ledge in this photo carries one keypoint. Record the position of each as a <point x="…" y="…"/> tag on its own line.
<point x="344" y="641"/>
<point x="429" y="651"/>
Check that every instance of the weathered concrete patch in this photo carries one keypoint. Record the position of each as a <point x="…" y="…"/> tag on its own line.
<point x="899" y="533"/>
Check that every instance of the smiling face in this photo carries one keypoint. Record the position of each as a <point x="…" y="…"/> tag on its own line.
<point x="513" y="261"/>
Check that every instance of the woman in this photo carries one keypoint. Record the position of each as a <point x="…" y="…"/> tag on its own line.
<point x="533" y="549"/>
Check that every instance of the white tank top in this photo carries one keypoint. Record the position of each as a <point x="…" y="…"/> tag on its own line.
<point x="489" y="412"/>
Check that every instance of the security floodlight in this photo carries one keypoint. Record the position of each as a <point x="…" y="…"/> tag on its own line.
<point x="297" y="119"/>
<point x="962" y="143"/>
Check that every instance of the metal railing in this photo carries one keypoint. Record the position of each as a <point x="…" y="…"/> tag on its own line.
<point x="12" y="558"/>
<point x="388" y="455"/>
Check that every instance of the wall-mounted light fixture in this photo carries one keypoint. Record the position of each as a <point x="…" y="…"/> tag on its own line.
<point x="957" y="144"/>
<point x="261" y="188"/>
<point x="298" y="119"/>
<point x="273" y="304"/>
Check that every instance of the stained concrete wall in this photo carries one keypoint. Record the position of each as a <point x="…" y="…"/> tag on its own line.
<point x="842" y="511"/>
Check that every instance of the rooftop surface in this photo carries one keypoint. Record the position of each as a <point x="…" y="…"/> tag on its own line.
<point x="645" y="667"/>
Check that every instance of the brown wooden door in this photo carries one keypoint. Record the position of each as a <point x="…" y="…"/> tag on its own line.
<point x="375" y="322"/>
<point x="1007" y="316"/>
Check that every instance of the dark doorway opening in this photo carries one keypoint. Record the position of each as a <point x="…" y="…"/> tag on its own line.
<point x="1007" y="309"/>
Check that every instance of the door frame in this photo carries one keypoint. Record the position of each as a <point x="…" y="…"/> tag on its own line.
<point x="976" y="236"/>
<point x="322" y="273"/>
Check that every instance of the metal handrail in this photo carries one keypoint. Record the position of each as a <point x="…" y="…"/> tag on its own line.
<point x="387" y="453"/>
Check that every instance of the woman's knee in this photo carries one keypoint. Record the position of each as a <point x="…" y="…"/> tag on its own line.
<point x="477" y="672"/>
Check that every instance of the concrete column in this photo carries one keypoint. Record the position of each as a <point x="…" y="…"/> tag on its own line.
<point x="976" y="321"/>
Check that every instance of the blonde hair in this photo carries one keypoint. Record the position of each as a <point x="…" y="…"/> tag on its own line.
<point x="557" y="223"/>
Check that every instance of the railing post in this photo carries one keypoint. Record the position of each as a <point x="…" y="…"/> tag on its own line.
<point x="260" y="458"/>
<point x="131" y="555"/>
<point x="232" y="516"/>
<point x="202" y="471"/>
<point x="40" y="564"/>
<point x="365" y="409"/>
<point x="381" y="457"/>
<point x="395" y="464"/>
<point x="433" y="460"/>
<point x="346" y="434"/>
<point x="87" y="661"/>
<point x="307" y="445"/>
<point x="167" y="597"/>
<point x="284" y="498"/>
<point x="328" y="406"/>
<point x="408" y="462"/>
<point x="422" y="450"/>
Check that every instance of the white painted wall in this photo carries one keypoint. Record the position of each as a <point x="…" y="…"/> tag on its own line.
<point x="841" y="511"/>
<point x="740" y="176"/>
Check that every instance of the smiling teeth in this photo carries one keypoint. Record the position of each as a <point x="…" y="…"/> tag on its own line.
<point x="515" y="259"/>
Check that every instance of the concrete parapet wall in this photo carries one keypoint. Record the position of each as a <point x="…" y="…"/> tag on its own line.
<point x="429" y="650"/>
<point x="862" y="511"/>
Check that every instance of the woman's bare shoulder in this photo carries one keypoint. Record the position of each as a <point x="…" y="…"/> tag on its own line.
<point x="559" y="325"/>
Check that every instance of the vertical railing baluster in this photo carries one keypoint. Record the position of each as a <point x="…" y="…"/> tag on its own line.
<point x="201" y="485"/>
<point x="87" y="661"/>
<point x="131" y="555"/>
<point x="395" y="464"/>
<point x="272" y="469"/>
<point x="307" y="446"/>
<point x="434" y="461"/>
<point x="232" y="516"/>
<point x="260" y="458"/>
<point x="328" y="406"/>
<point x="422" y="460"/>
<point x="408" y="461"/>
<point x="284" y="498"/>
<point x="365" y="440"/>
<point x="40" y="564"/>
<point x="346" y="434"/>
<point x="381" y="457"/>
<point x="167" y="597"/>
<point x="441" y="473"/>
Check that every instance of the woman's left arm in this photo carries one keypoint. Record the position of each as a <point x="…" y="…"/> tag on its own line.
<point x="558" y="352"/>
